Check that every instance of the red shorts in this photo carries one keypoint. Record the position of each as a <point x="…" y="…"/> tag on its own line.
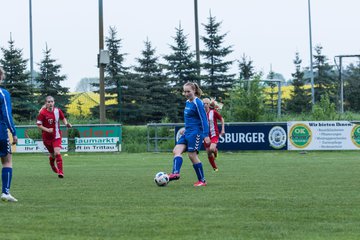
<point x="51" y="144"/>
<point x="214" y="139"/>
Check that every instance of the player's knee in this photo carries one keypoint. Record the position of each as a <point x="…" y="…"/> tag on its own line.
<point x="6" y="161"/>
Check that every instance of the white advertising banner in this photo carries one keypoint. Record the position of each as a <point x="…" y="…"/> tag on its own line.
<point x="28" y="145"/>
<point x="323" y="135"/>
<point x="97" y="144"/>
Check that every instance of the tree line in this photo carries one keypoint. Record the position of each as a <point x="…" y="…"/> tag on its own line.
<point x="151" y="91"/>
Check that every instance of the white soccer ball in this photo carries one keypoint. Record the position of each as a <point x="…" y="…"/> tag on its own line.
<point x="161" y="179"/>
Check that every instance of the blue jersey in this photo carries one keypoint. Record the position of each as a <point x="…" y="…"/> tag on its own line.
<point x="6" y="121"/>
<point x="195" y="118"/>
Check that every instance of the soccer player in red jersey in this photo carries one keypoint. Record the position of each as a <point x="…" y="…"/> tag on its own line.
<point x="48" y="122"/>
<point x="213" y="118"/>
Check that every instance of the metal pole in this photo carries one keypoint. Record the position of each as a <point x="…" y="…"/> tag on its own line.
<point x="279" y="99"/>
<point x="101" y="66"/>
<point x="311" y="59"/>
<point x="197" y="35"/>
<point x="31" y="45"/>
<point x="341" y="87"/>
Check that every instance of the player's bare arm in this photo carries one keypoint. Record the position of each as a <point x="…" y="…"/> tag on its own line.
<point x="49" y="130"/>
<point x="68" y="125"/>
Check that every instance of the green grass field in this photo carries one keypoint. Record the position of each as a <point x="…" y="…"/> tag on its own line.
<point x="255" y="195"/>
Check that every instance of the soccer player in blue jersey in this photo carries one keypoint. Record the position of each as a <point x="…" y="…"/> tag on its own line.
<point x="6" y="122"/>
<point x="196" y="130"/>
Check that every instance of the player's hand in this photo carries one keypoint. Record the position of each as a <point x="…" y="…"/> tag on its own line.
<point x="15" y="140"/>
<point x="50" y="130"/>
<point x="68" y="125"/>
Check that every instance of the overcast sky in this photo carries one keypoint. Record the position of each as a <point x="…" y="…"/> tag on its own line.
<point x="267" y="31"/>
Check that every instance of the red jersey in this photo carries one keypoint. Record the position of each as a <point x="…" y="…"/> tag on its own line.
<point x="50" y="120"/>
<point x="213" y="117"/>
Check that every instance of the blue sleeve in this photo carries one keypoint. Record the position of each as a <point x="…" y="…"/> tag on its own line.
<point x="6" y="111"/>
<point x="203" y="117"/>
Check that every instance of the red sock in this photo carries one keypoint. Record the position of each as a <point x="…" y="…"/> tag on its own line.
<point x="212" y="161"/>
<point x="59" y="163"/>
<point x="52" y="164"/>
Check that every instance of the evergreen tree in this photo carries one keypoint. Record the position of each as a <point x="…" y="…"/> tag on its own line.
<point x="325" y="78"/>
<point x="154" y="99"/>
<point x="132" y="99"/>
<point x="49" y="80"/>
<point x="246" y="72"/>
<point x="17" y="82"/>
<point x="246" y="68"/>
<point x="300" y="98"/>
<point x="116" y="72"/>
<point x="272" y="103"/>
<point x="217" y="81"/>
<point x="182" y="68"/>
<point x="352" y="87"/>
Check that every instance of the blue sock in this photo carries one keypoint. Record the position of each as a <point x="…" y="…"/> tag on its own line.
<point x="199" y="171"/>
<point x="6" y="177"/>
<point x="177" y="164"/>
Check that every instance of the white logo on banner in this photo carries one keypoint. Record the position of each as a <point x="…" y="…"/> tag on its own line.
<point x="277" y="137"/>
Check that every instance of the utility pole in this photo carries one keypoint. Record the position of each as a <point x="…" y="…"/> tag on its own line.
<point x="100" y="65"/>
<point x="197" y="35"/>
<point x="311" y="60"/>
<point x="31" y="45"/>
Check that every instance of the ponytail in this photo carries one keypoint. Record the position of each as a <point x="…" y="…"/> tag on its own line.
<point x="196" y="88"/>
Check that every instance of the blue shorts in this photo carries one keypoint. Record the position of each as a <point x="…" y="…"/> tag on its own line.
<point x="5" y="147"/>
<point x="193" y="141"/>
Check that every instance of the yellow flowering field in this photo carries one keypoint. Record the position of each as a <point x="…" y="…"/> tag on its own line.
<point x="285" y="91"/>
<point x="85" y="100"/>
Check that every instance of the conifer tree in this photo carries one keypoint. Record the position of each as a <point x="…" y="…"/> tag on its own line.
<point x="132" y="99"/>
<point x="246" y="68"/>
<point x="325" y="78"/>
<point x="272" y="94"/>
<point x="181" y="65"/>
<point x="17" y="82"/>
<point x="352" y="87"/>
<point x="300" y="97"/>
<point x="116" y="73"/>
<point x="246" y="72"/>
<point x="217" y="81"/>
<point x="182" y="68"/>
<point x="49" y="80"/>
<point x="154" y="100"/>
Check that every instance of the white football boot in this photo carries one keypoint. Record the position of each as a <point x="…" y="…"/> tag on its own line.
<point x="8" y="198"/>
